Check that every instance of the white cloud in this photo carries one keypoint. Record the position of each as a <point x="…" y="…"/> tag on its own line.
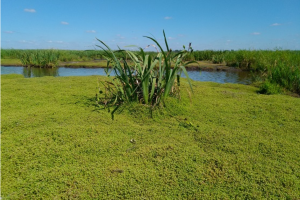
<point x="167" y="18"/>
<point x="25" y="41"/>
<point x="64" y="23"/>
<point x="91" y="31"/>
<point x="120" y="36"/>
<point x="30" y="10"/>
<point x="57" y="42"/>
<point x="171" y="38"/>
<point x="228" y="42"/>
<point x="255" y="33"/>
<point x="10" y="32"/>
<point x="275" y="24"/>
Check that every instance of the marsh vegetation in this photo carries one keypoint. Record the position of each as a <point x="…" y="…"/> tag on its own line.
<point x="225" y="141"/>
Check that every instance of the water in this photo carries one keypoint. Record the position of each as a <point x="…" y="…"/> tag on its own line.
<point x="214" y="76"/>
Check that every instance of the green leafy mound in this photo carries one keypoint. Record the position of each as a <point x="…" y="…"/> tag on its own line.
<point x="139" y="77"/>
<point x="269" y="88"/>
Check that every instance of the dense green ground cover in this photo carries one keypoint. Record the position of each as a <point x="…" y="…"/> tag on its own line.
<point x="225" y="142"/>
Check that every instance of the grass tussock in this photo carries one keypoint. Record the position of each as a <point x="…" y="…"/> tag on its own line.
<point x="226" y="142"/>
<point x="280" y="77"/>
<point x="39" y="58"/>
<point x="146" y="79"/>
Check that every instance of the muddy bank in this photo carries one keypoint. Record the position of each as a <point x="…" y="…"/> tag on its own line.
<point x="202" y="65"/>
<point x="213" y="68"/>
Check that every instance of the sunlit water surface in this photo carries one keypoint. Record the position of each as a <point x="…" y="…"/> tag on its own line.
<point x="214" y="76"/>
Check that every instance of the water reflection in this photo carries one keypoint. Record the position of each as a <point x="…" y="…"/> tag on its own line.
<point x="29" y="72"/>
<point x="214" y="76"/>
<point x="221" y="76"/>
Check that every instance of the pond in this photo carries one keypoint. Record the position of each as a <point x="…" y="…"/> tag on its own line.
<point x="241" y="77"/>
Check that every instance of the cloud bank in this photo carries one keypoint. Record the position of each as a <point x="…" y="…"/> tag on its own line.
<point x="30" y="10"/>
<point x="91" y="31"/>
<point x="275" y="24"/>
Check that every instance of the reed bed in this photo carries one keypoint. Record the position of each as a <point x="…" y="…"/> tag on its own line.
<point x="63" y="55"/>
<point x="257" y="60"/>
<point x="76" y="55"/>
<point x="37" y="58"/>
<point x="249" y="59"/>
<point x="278" y="70"/>
<point x="280" y="77"/>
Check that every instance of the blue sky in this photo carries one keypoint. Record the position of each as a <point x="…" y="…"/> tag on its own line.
<point x="209" y="24"/>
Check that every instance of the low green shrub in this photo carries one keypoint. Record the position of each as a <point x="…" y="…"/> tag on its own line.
<point x="269" y="88"/>
<point x="286" y="76"/>
<point x="278" y="77"/>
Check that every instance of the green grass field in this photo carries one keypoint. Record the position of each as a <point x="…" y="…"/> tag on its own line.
<point x="225" y="142"/>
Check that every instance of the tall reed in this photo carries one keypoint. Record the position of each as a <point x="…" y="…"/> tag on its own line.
<point x="39" y="58"/>
<point x="282" y="76"/>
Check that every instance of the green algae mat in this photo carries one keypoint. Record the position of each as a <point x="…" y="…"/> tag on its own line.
<point x="225" y="141"/>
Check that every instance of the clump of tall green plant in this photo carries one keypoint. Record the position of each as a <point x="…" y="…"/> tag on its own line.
<point x="281" y="76"/>
<point x="140" y="77"/>
<point x="40" y="58"/>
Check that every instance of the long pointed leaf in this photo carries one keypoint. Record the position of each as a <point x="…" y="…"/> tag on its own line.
<point x="187" y="76"/>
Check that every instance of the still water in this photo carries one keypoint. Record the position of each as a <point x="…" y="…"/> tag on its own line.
<point x="214" y="76"/>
